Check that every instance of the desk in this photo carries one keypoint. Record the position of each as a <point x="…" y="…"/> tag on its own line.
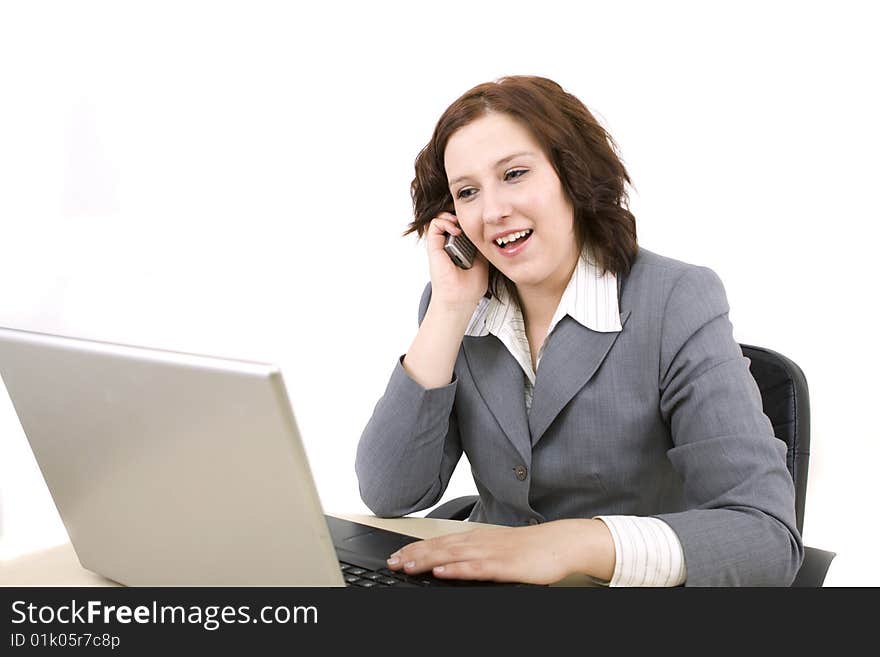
<point x="58" y="566"/>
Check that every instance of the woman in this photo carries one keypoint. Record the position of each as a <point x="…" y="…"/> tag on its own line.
<point x="608" y="415"/>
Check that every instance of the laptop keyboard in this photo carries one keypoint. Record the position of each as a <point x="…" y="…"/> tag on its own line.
<point x="363" y="577"/>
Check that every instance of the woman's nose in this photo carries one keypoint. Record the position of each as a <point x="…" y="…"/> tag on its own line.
<point x="495" y="206"/>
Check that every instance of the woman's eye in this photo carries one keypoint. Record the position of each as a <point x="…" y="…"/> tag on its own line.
<point x="468" y="192"/>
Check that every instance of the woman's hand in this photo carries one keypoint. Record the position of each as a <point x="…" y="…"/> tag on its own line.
<point x="540" y="554"/>
<point x="452" y="286"/>
<point x="455" y="293"/>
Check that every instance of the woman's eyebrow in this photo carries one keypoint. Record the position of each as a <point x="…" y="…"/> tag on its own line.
<point x="503" y="160"/>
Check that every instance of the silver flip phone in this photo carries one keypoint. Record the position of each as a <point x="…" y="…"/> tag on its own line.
<point x="461" y="250"/>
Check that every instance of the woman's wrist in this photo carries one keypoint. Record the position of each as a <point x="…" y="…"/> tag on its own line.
<point x="453" y="309"/>
<point x="592" y="548"/>
<point x="431" y="357"/>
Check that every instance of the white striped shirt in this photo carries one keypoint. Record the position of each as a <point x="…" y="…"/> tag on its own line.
<point x="648" y="552"/>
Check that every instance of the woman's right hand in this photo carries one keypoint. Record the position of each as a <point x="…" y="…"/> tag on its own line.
<point x="455" y="293"/>
<point x="451" y="286"/>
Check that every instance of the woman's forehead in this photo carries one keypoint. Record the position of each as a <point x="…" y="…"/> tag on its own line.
<point x="486" y="141"/>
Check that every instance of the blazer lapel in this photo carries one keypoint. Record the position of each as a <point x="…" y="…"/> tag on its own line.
<point x="571" y="358"/>
<point x="500" y="381"/>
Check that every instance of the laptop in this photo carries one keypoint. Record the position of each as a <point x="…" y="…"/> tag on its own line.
<point x="173" y="469"/>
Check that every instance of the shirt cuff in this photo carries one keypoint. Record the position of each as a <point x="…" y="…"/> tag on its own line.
<point x="648" y="552"/>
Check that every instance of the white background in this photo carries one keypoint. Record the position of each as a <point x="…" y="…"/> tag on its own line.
<point x="233" y="178"/>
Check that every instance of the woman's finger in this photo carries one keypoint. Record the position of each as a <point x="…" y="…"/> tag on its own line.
<point x="448" y="216"/>
<point x="424" y="555"/>
<point x="438" y="226"/>
<point x="480" y="569"/>
<point x="427" y="561"/>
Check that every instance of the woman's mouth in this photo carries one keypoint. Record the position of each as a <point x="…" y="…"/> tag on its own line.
<point x="511" y="245"/>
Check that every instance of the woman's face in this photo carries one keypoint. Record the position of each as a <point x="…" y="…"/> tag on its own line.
<point x="503" y="185"/>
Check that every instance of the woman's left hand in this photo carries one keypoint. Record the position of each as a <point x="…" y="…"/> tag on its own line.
<point x="539" y="554"/>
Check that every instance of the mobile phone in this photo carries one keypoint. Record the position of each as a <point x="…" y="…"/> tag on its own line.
<point x="461" y="250"/>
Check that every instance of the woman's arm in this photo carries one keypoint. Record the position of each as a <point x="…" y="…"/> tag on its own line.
<point x="740" y="526"/>
<point x="431" y="357"/>
<point x="542" y="554"/>
<point x="410" y="446"/>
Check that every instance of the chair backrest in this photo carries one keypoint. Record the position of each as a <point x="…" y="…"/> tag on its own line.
<point x="786" y="401"/>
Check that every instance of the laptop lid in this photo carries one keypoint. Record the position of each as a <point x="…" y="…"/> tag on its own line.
<point x="170" y="468"/>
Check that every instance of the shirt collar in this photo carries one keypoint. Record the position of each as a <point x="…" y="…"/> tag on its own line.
<point x="590" y="298"/>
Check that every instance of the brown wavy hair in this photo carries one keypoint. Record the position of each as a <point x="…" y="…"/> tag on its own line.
<point x="581" y="151"/>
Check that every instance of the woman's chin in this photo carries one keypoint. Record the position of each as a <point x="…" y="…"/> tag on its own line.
<point x="519" y="277"/>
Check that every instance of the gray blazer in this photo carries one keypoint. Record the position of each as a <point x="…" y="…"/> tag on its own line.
<point x="661" y="419"/>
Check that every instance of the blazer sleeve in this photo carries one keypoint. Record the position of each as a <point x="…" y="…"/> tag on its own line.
<point x="410" y="446"/>
<point x="739" y="527"/>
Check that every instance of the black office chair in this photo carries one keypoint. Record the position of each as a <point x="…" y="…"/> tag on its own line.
<point x="786" y="401"/>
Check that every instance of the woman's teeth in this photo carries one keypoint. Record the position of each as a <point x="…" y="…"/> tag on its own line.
<point x="507" y="239"/>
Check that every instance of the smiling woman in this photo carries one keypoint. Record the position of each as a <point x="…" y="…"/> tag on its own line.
<point x="555" y="129"/>
<point x="516" y="195"/>
<point x="608" y="415"/>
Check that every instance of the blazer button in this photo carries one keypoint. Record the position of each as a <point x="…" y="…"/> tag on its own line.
<point x="533" y="521"/>
<point x="521" y="472"/>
